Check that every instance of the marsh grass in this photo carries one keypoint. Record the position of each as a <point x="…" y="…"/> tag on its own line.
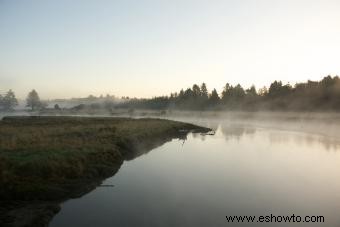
<point x="40" y="157"/>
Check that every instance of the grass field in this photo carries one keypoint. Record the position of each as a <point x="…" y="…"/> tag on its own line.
<point x="51" y="158"/>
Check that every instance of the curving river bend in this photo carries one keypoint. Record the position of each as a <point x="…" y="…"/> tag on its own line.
<point x="244" y="169"/>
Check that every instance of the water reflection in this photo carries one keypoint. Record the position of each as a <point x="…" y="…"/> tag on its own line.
<point x="241" y="170"/>
<point x="282" y="137"/>
<point x="236" y="131"/>
<point x="278" y="132"/>
<point x="20" y="213"/>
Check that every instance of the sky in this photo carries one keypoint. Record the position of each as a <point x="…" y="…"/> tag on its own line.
<point x="146" y="48"/>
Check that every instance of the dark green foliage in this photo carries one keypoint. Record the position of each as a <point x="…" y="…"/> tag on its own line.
<point x="276" y="89"/>
<point x="204" y="92"/>
<point x="156" y="103"/>
<point x="321" y="95"/>
<point x="233" y="94"/>
<point x="214" y="99"/>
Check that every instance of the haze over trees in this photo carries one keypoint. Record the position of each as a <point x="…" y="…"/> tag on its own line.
<point x="8" y="101"/>
<point x="323" y="95"/>
<point x="33" y="100"/>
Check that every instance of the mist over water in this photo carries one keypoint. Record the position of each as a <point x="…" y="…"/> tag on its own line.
<point x="262" y="74"/>
<point x="249" y="167"/>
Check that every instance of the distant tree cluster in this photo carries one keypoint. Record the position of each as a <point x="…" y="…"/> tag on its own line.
<point x="323" y="95"/>
<point x="92" y="102"/>
<point x="8" y="101"/>
<point x="309" y="96"/>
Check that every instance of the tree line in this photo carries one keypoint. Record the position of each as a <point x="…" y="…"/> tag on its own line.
<point x="323" y="95"/>
<point x="8" y="101"/>
<point x="308" y="96"/>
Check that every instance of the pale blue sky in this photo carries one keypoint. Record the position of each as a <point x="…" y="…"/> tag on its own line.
<point x="69" y="48"/>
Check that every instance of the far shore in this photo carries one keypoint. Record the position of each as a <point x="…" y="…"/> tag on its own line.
<point x="120" y="112"/>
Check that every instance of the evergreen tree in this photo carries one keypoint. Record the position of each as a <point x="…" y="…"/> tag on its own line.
<point x="196" y="91"/>
<point x="9" y="101"/>
<point x="238" y="92"/>
<point x="251" y="91"/>
<point x="214" y="98"/>
<point x="33" y="100"/>
<point x="204" y="91"/>
<point x="227" y="92"/>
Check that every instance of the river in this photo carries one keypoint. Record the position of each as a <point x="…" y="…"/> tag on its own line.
<point x="244" y="169"/>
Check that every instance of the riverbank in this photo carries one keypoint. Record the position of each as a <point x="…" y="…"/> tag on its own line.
<point x="51" y="159"/>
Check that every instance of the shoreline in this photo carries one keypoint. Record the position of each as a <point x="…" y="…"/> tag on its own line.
<point x="33" y="187"/>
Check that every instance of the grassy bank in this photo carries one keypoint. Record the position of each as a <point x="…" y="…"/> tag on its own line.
<point x="49" y="157"/>
<point x="47" y="160"/>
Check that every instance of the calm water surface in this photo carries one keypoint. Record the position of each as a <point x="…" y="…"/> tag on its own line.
<point x="241" y="170"/>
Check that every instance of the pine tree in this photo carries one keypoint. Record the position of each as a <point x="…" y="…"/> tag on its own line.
<point x="9" y="101"/>
<point x="33" y="100"/>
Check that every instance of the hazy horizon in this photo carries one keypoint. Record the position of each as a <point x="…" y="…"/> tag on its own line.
<point x="67" y="49"/>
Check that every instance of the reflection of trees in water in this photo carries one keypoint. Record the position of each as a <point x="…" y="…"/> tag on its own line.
<point x="323" y="128"/>
<point x="200" y="136"/>
<point x="183" y="138"/>
<point x="329" y="143"/>
<point x="285" y="137"/>
<point x="236" y="131"/>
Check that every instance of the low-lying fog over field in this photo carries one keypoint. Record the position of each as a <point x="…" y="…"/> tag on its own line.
<point x="186" y="113"/>
<point x="271" y="164"/>
<point x="256" y="164"/>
